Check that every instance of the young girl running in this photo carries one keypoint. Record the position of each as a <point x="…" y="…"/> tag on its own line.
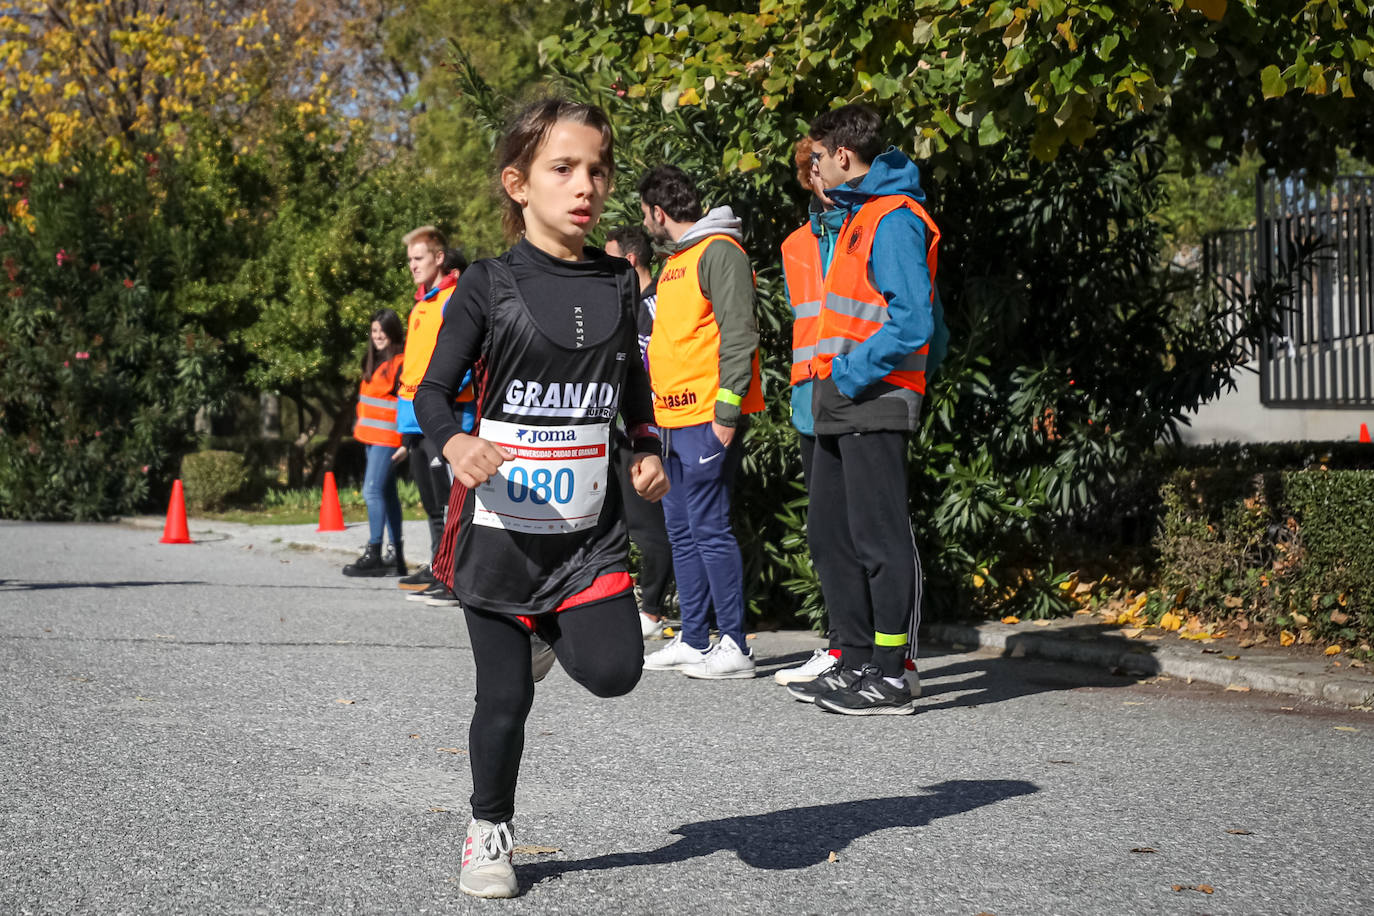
<point x="536" y="540"/>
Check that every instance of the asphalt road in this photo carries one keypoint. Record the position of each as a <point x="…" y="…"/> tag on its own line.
<point x="233" y="727"/>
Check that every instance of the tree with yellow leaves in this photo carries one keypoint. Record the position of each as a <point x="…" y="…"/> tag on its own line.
<point x="129" y="73"/>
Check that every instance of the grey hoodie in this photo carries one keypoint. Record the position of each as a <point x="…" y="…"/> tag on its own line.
<point x="727" y="280"/>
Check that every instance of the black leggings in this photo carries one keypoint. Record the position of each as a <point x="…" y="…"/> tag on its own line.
<point x="599" y="645"/>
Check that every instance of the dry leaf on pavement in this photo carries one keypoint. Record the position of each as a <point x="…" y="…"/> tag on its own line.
<point x="1237" y="831"/>
<point x="535" y="850"/>
<point x="345" y="702"/>
<point x="450" y="750"/>
<point x="1204" y="888"/>
<point x="1144" y="849"/>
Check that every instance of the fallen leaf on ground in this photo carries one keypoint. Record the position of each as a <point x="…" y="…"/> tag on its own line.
<point x="1345" y="728"/>
<point x="1237" y="688"/>
<point x="1211" y="651"/>
<point x="1332" y="650"/>
<point x="1340" y="618"/>
<point x="1230" y="658"/>
<point x="1062" y="761"/>
<point x="450" y="750"/>
<point x="1232" y="601"/>
<point x="1132" y="632"/>
<point x="1204" y="888"/>
<point x="438" y="810"/>
<point x="412" y="736"/>
<point x="832" y="857"/>
<point x="1170" y="621"/>
<point x="1011" y="618"/>
<point x="1040" y="623"/>
<point x="1300" y="619"/>
<point x="346" y="702"/>
<point x="747" y="637"/>
<point x="1144" y="849"/>
<point x="1239" y="832"/>
<point x="535" y="850"/>
<point x="1286" y="638"/>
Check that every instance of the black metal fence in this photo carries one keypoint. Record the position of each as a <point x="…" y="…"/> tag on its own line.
<point x="1325" y="355"/>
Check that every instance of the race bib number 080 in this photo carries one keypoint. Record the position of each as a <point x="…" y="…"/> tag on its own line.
<point x="555" y="484"/>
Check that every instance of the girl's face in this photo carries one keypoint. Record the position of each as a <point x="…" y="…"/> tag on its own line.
<point x="379" y="338"/>
<point x="565" y="190"/>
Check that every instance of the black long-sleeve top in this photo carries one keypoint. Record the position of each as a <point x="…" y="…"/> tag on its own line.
<point x="569" y="301"/>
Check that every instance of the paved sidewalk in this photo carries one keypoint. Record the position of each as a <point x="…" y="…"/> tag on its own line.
<point x="1080" y="640"/>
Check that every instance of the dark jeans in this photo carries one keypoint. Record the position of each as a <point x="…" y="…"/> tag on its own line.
<point x="379" y="492"/>
<point x="600" y="647"/>
<point x="859" y="531"/>
<point x="650" y="534"/>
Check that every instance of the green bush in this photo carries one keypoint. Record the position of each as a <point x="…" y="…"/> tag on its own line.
<point x="100" y="373"/>
<point x="214" y="479"/>
<point x="1271" y="552"/>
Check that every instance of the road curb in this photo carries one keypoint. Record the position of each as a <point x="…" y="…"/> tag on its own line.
<point x="1150" y="659"/>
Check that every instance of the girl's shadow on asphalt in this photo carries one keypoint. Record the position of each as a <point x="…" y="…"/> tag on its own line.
<point x="797" y="837"/>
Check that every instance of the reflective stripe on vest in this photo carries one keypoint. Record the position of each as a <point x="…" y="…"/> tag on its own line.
<point x="422" y="331"/>
<point x="854" y="309"/>
<point x="805" y="279"/>
<point x="684" y="349"/>
<point x="376" y="423"/>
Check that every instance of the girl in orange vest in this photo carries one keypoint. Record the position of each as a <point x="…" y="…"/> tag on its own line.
<point x="376" y="429"/>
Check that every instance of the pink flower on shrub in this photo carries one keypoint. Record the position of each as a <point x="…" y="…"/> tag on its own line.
<point x="62" y="256"/>
<point x="97" y="434"/>
<point x="66" y="364"/>
<point x="145" y="469"/>
<point x="95" y="268"/>
<point x="82" y="354"/>
<point x="128" y="284"/>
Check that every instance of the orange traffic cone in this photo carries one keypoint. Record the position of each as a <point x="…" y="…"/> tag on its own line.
<point x="1364" y="432"/>
<point x="174" y="532"/>
<point x="331" y="516"/>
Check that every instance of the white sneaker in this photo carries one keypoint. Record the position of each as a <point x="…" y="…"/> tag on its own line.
<point x="677" y="654"/>
<point x="820" y="662"/>
<point x="725" y="660"/>
<point x="913" y="681"/>
<point x="649" y="627"/>
<point x="487" y="870"/>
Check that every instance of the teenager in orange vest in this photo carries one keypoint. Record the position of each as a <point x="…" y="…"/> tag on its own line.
<point x="806" y="256"/>
<point x="879" y="322"/>
<point x="435" y="269"/>
<point x="703" y="365"/>
<point x="376" y="429"/>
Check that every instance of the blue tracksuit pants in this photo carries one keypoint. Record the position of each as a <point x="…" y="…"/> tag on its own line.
<point x="706" y="558"/>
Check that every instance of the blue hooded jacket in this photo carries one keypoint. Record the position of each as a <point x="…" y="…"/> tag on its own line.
<point x="914" y="317"/>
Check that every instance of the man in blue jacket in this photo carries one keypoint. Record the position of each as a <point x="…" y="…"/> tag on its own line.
<point x="881" y="330"/>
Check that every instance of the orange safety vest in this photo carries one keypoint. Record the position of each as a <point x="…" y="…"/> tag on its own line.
<point x="801" y="269"/>
<point x="376" y="423"/>
<point x="684" y="350"/>
<point x="425" y="319"/>
<point x="854" y="310"/>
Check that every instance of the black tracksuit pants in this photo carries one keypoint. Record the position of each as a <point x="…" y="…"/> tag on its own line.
<point x="599" y="645"/>
<point x="433" y="482"/>
<point x="650" y="535"/>
<point x="859" y="531"/>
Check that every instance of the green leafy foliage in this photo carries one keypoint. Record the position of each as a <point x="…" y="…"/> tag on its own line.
<point x="1278" y="550"/>
<point x="100" y="373"/>
<point x="213" y="479"/>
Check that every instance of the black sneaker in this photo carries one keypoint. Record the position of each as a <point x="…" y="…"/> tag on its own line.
<point x="541" y="657"/>
<point x="437" y="590"/>
<point x="835" y="679"/>
<point x="419" y="580"/>
<point x="869" y="695"/>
